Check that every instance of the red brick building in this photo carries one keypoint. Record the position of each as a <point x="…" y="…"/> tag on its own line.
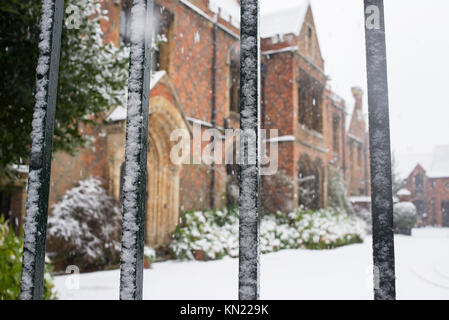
<point x="430" y="189"/>
<point x="297" y="102"/>
<point x="196" y="81"/>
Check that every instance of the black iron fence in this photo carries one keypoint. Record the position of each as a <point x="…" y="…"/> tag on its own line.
<point x="134" y="186"/>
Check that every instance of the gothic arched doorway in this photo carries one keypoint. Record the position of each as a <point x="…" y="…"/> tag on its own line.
<point x="163" y="175"/>
<point x="310" y="183"/>
<point x="306" y="182"/>
<point x="318" y="172"/>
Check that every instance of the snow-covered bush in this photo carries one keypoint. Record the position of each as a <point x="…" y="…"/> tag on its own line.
<point x="366" y="216"/>
<point x="149" y="256"/>
<point x="84" y="227"/>
<point x="405" y="215"/>
<point x="208" y="235"/>
<point x="337" y="191"/>
<point x="213" y="234"/>
<point x="325" y="228"/>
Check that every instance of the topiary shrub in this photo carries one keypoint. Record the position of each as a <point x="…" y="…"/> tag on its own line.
<point x="11" y="251"/>
<point x="83" y="229"/>
<point x="405" y="217"/>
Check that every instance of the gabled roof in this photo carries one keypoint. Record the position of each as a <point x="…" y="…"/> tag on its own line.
<point x="439" y="166"/>
<point x="277" y="16"/>
<point x="119" y="113"/>
<point x="417" y="168"/>
<point x="440" y="163"/>
<point x="229" y="10"/>
<point x="285" y="21"/>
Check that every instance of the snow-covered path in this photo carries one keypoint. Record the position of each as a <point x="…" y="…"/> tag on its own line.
<point x="422" y="263"/>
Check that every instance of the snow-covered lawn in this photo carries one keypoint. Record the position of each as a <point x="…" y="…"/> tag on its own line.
<point x="422" y="266"/>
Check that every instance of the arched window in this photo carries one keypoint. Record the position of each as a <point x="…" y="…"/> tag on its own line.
<point x="306" y="182"/>
<point x="161" y="38"/>
<point x="309" y="42"/>
<point x="162" y="20"/>
<point x="318" y="170"/>
<point x="310" y="97"/>
<point x="122" y="181"/>
<point x="336" y="133"/>
<point x="351" y="153"/>
<point x="359" y="154"/>
<point x="310" y="183"/>
<point x="234" y="79"/>
<point x="125" y="22"/>
<point x="419" y="184"/>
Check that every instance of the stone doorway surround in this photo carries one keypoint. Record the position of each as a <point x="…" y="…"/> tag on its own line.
<point x="163" y="180"/>
<point x="163" y="184"/>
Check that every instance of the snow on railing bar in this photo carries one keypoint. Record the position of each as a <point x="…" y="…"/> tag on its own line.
<point x="380" y="154"/>
<point x="134" y="187"/>
<point x="249" y="141"/>
<point x="33" y="261"/>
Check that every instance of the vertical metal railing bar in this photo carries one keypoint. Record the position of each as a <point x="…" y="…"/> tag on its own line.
<point x="249" y="151"/>
<point x="380" y="154"/>
<point x="214" y="107"/>
<point x="134" y="186"/>
<point x="33" y="262"/>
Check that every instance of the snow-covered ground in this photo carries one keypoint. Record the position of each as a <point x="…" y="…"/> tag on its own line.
<point x="422" y="268"/>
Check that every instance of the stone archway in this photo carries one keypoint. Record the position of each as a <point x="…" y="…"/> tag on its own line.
<point x="310" y="183"/>
<point x="306" y="182"/>
<point x="318" y="171"/>
<point x="163" y="184"/>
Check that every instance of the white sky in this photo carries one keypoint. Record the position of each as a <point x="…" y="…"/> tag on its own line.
<point x="417" y="53"/>
<point x="418" y="67"/>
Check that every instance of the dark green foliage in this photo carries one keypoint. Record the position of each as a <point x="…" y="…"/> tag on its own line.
<point x="11" y="249"/>
<point x="92" y="77"/>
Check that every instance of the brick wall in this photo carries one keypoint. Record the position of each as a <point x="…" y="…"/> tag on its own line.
<point x="188" y="57"/>
<point x="439" y="192"/>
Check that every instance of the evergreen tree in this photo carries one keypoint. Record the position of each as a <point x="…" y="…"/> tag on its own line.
<point x="92" y="77"/>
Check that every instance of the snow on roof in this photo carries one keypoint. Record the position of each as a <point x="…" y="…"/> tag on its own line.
<point x="119" y="113"/>
<point x="440" y="162"/>
<point x="21" y="168"/>
<point x="406" y="163"/>
<point x="403" y="192"/>
<point x="359" y="199"/>
<point x="282" y="139"/>
<point x="366" y="199"/>
<point x="283" y="21"/>
<point x="277" y="17"/>
<point x="229" y="10"/>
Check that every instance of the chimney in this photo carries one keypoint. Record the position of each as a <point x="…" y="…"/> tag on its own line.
<point x="357" y="93"/>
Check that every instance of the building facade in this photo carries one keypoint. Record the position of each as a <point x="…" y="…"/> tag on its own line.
<point x="429" y="190"/>
<point x="196" y="82"/>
